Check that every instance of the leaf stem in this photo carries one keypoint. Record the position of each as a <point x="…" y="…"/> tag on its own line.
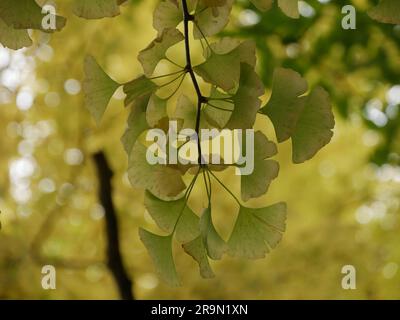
<point x="225" y="187"/>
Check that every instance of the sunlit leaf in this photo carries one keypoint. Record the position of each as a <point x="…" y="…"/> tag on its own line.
<point x="262" y="5"/>
<point x="387" y="11"/>
<point x="257" y="184"/>
<point x="96" y="9"/>
<point x="197" y="251"/>
<point x="211" y="20"/>
<point x="213" y="242"/>
<point x="160" y="251"/>
<point x="155" y="52"/>
<point x="167" y="15"/>
<point x="257" y="231"/>
<point x="290" y="8"/>
<point x="98" y="88"/>
<point x="167" y="214"/>
<point x="222" y="70"/>
<point x="160" y="180"/>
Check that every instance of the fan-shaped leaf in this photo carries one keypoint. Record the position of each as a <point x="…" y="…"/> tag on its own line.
<point x="13" y="38"/>
<point x="197" y="251"/>
<point x="387" y="11"/>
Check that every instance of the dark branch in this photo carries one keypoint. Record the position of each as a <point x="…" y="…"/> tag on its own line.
<point x="115" y="263"/>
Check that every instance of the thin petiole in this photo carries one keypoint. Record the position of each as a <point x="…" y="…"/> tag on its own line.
<point x="225" y="187"/>
<point x="166" y="75"/>
<point x="219" y="108"/>
<point x="173" y="80"/>
<point x="173" y="62"/>
<point x="179" y="85"/>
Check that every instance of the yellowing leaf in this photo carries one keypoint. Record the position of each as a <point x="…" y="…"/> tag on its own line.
<point x="155" y="52"/>
<point x="160" y="251"/>
<point x="96" y="9"/>
<point x="137" y="88"/>
<point x="167" y="214"/>
<point x="257" y="184"/>
<point x="245" y="50"/>
<point x="257" y="231"/>
<point x="13" y="38"/>
<point x="197" y="251"/>
<point x="98" y="88"/>
<point x="167" y="15"/>
<point x="26" y="14"/>
<point x="160" y="180"/>
<point x="290" y="8"/>
<point x="262" y="5"/>
<point x="213" y="242"/>
<point x="387" y="11"/>
<point x="211" y="20"/>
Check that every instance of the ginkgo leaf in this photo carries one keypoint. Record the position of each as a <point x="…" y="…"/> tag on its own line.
<point x="137" y="123"/>
<point x="222" y="70"/>
<point x="387" y="11"/>
<point x="285" y="106"/>
<point x="98" y="88"/>
<point x="197" y="251"/>
<point x="96" y="9"/>
<point x="246" y="99"/>
<point x="290" y="8"/>
<point x="186" y="111"/>
<point x="26" y="14"/>
<point x="160" y="251"/>
<point x="314" y="126"/>
<point x="257" y="183"/>
<point x="161" y="180"/>
<point x="13" y="38"/>
<point x="168" y="214"/>
<point x="156" y="110"/>
<point x="308" y="120"/>
<point x="167" y="15"/>
<point x="262" y="5"/>
<point x="211" y="20"/>
<point x="245" y="50"/>
<point x="218" y="111"/>
<point x="257" y="231"/>
<point x="213" y="242"/>
<point x="213" y="3"/>
<point x="155" y="52"/>
<point x="137" y="88"/>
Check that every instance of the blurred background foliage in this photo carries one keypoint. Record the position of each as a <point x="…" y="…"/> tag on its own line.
<point x="343" y="205"/>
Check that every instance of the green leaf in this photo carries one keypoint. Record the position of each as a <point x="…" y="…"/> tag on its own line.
<point x="246" y="100"/>
<point x="211" y="20"/>
<point x="13" y="38"/>
<point x="160" y="180"/>
<point x="160" y="251"/>
<point x="137" y="123"/>
<point x="98" y="88"/>
<point x="220" y="114"/>
<point x="166" y="215"/>
<point x="222" y="70"/>
<point x="308" y="120"/>
<point x="197" y="251"/>
<point x="156" y="110"/>
<point x="290" y="8"/>
<point x="155" y="52"/>
<point x="257" y="184"/>
<point x="387" y="11"/>
<point x="213" y="242"/>
<point x="139" y="87"/>
<point x="314" y="127"/>
<point x="245" y="50"/>
<point x="26" y="14"/>
<point x="96" y="9"/>
<point x="262" y="5"/>
<point x="257" y="231"/>
<point x="186" y="111"/>
<point x="285" y="106"/>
